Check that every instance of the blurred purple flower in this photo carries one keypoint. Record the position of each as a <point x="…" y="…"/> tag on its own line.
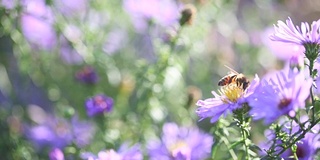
<point x="83" y="132"/>
<point x="54" y="132"/>
<point x="232" y="97"/>
<point x="282" y="94"/>
<point x="116" y="40"/>
<point x="87" y="75"/>
<point x="8" y="4"/>
<point x="39" y="33"/>
<point x="38" y="8"/>
<point x="98" y="104"/>
<point x="288" y="33"/>
<point x="68" y="54"/>
<point x="37" y="24"/>
<point x="71" y="7"/>
<point x="124" y="153"/>
<point x="281" y="50"/>
<point x="162" y="12"/>
<point x="59" y="133"/>
<point x="179" y="143"/>
<point x="56" y="154"/>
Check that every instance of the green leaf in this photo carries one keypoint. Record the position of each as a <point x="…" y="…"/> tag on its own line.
<point x="214" y="149"/>
<point x="233" y="145"/>
<point x="308" y="108"/>
<point x="255" y="147"/>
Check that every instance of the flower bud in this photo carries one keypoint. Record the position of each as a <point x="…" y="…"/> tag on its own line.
<point x="187" y="14"/>
<point x="296" y="62"/>
<point x="87" y="75"/>
<point x="194" y="94"/>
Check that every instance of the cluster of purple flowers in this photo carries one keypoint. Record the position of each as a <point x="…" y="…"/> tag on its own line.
<point x="38" y="25"/>
<point x="124" y="153"/>
<point x="176" y="143"/>
<point x="270" y="98"/>
<point x="282" y="93"/>
<point x="59" y="133"/>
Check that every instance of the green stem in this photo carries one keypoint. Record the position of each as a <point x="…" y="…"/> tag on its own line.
<point x="311" y="92"/>
<point x="231" y="151"/>
<point x="243" y="124"/>
<point x="301" y="125"/>
<point x="244" y="139"/>
<point x="225" y="140"/>
<point x="295" y="153"/>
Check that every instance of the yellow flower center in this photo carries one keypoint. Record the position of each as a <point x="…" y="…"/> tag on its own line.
<point x="179" y="146"/>
<point x="232" y="92"/>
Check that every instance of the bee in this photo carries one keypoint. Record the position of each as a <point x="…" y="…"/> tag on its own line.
<point x="234" y="77"/>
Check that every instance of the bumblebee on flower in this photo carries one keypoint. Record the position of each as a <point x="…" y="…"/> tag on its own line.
<point x="232" y="95"/>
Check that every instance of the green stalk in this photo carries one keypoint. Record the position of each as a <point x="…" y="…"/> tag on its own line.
<point x="226" y="142"/>
<point x="231" y="151"/>
<point x="311" y="92"/>
<point x="294" y="151"/>
<point x="242" y="123"/>
<point x="244" y="139"/>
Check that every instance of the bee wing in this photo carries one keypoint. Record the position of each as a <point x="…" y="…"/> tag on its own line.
<point x="231" y="70"/>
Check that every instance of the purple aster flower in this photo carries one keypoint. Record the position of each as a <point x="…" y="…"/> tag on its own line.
<point x="232" y="97"/>
<point x="87" y="75"/>
<point x="53" y="132"/>
<point x="163" y="12"/>
<point x="83" y="132"/>
<point x="288" y="33"/>
<point x="124" y="153"/>
<point x="179" y="143"/>
<point x="57" y="132"/>
<point x="281" y="94"/>
<point x="281" y="50"/>
<point x="56" y="154"/>
<point x="98" y="104"/>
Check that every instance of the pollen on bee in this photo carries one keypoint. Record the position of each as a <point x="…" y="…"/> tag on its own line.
<point x="231" y="92"/>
